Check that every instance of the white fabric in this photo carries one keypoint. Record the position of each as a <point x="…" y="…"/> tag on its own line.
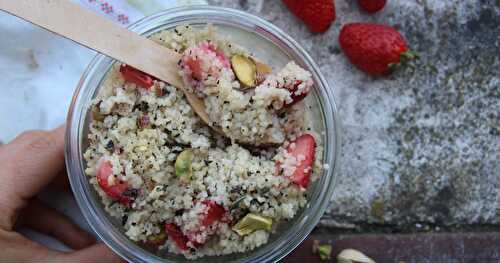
<point x="39" y="70"/>
<point x="38" y="74"/>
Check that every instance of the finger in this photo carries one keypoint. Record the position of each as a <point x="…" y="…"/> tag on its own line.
<point x="48" y="221"/>
<point x="98" y="253"/>
<point x="28" y="164"/>
<point x="31" y="161"/>
<point x="17" y="248"/>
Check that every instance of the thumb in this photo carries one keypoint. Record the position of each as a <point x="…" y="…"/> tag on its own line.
<point x="98" y="253"/>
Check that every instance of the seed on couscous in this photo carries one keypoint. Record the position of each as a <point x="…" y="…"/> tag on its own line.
<point x="176" y="184"/>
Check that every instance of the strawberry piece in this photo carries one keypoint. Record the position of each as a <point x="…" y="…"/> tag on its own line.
<point x="373" y="48"/>
<point x="202" y="61"/>
<point x="136" y="76"/>
<point x="120" y="191"/>
<point x="175" y="233"/>
<point x="318" y="15"/>
<point x="302" y="151"/>
<point x="214" y="213"/>
<point x="372" y="6"/>
<point x="295" y="97"/>
<point x="219" y="54"/>
<point x="195" y="66"/>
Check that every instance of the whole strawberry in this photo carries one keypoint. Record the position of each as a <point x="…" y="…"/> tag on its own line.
<point x="375" y="49"/>
<point x="318" y="15"/>
<point x="372" y="6"/>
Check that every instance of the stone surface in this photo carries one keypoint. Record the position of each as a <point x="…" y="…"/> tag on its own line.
<point x="421" y="148"/>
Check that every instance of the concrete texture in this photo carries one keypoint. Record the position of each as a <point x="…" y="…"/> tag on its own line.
<point x="421" y="148"/>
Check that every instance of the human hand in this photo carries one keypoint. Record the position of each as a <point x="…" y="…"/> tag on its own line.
<point x="27" y="165"/>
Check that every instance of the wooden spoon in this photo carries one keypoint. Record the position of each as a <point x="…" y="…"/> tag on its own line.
<point x="95" y="32"/>
<point x="262" y="69"/>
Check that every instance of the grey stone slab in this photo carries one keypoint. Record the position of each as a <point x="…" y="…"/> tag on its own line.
<point x="422" y="146"/>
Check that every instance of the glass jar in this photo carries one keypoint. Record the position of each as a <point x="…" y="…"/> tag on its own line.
<point x="267" y="42"/>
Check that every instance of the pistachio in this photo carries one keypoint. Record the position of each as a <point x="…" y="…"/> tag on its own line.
<point x="252" y="222"/>
<point x="141" y="148"/>
<point x="157" y="239"/>
<point x="96" y="113"/>
<point x="237" y="203"/>
<point x="183" y="164"/>
<point x="245" y="69"/>
<point x="325" y="251"/>
<point x="352" y="256"/>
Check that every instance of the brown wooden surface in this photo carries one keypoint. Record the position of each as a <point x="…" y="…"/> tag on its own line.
<point x="408" y="248"/>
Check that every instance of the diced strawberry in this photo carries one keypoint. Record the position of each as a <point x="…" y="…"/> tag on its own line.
<point x="293" y="90"/>
<point x="120" y="191"/>
<point x="200" y="63"/>
<point x="209" y="47"/>
<point x="174" y="232"/>
<point x="207" y="218"/>
<point x="220" y="56"/>
<point x="136" y="76"/>
<point x="302" y="150"/>
<point x="214" y="213"/>
<point x="195" y="66"/>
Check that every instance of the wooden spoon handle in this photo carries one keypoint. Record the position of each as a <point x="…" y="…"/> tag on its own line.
<point x="84" y="27"/>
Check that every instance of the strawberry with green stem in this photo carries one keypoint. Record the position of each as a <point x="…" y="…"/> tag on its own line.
<point x="374" y="48"/>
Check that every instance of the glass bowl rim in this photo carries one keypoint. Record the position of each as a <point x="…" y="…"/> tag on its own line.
<point x="332" y="140"/>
